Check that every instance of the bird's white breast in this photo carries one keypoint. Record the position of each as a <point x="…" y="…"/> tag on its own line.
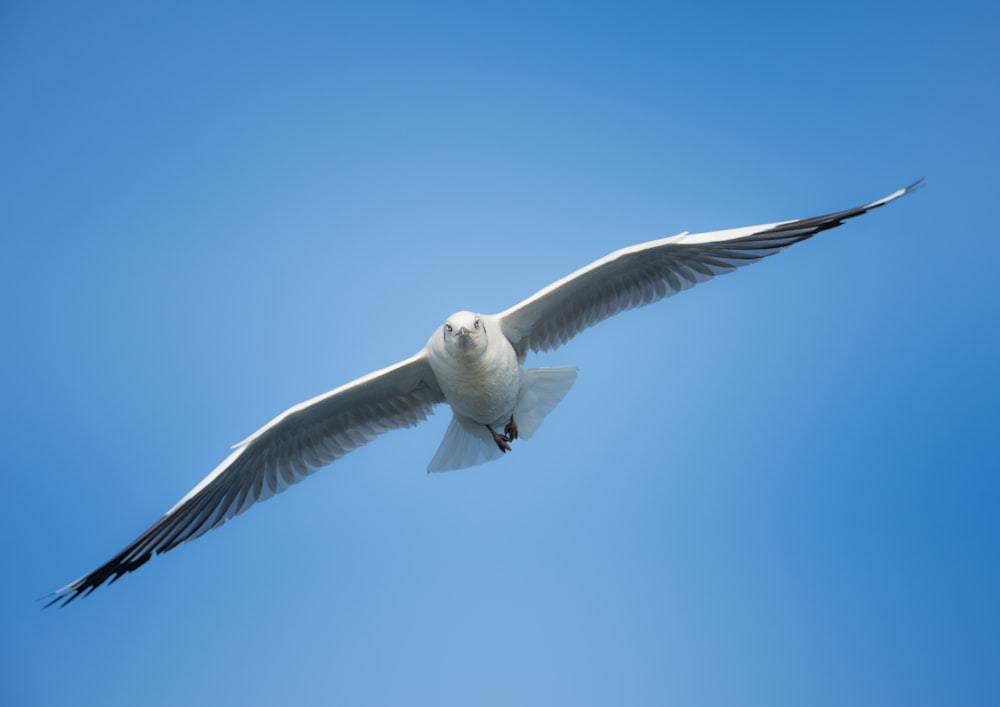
<point x="478" y="384"/>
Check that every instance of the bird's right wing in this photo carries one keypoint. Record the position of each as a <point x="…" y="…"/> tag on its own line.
<point x="293" y="445"/>
<point x="644" y="273"/>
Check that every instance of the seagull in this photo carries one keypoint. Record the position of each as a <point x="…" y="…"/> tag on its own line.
<point x="472" y="362"/>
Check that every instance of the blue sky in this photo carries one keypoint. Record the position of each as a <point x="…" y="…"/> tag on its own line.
<point x="779" y="488"/>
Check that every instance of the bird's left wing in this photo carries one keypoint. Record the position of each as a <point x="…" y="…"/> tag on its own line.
<point x="648" y="272"/>
<point x="286" y="450"/>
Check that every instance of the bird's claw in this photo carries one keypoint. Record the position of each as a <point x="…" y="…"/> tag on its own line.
<point x="511" y="430"/>
<point x="509" y="435"/>
<point x="503" y="442"/>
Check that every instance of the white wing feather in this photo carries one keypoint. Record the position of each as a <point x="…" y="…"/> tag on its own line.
<point x="292" y="446"/>
<point x="644" y="273"/>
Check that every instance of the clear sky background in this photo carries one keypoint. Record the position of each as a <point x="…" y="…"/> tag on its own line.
<point x="779" y="488"/>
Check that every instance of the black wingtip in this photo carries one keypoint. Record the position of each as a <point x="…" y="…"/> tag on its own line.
<point x="64" y="595"/>
<point x="897" y="194"/>
<point x="56" y="598"/>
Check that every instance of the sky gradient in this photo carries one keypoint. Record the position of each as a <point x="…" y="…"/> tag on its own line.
<point x="778" y="488"/>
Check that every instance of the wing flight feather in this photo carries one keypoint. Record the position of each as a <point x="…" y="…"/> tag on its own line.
<point x="644" y="273"/>
<point x="295" y="444"/>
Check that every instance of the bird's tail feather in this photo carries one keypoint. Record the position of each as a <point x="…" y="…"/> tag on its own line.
<point x="468" y="443"/>
<point x="465" y="444"/>
<point x="541" y="390"/>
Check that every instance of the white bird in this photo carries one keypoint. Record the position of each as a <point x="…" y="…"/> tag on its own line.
<point x="473" y="363"/>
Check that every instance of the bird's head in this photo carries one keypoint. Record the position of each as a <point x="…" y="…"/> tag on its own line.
<point x="464" y="332"/>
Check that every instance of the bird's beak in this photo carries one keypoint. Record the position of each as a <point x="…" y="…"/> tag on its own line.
<point x="463" y="332"/>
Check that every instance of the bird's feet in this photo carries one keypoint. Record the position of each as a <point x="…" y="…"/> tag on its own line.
<point x="509" y="435"/>
<point x="502" y="440"/>
<point x="511" y="430"/>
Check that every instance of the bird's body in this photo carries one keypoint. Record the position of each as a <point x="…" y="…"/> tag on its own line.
<point x="473" y="362"/>
<point x="480" y="377"/>
<point x="478" y="373"/>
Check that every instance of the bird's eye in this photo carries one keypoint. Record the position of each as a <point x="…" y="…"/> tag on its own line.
<point x="477" y="322"/>
<point x="447" y="326"/>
